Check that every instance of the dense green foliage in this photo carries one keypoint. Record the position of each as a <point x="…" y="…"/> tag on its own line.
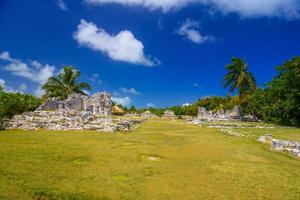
<point x="65" y="84"/>
<point x="15" y="103"/>
<point x="213" y="103"/>
<point x="279" y="102"/>
<point x="238" y="77"/>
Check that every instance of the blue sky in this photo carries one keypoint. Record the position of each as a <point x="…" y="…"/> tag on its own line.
<point x="145" y="52"/>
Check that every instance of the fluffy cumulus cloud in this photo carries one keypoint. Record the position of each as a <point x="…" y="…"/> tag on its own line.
<point x="129" y="91"/>
<point x="2" y="82"/>
<point x="95" y="78"/>
<point x="189" y="29"/>
<point x="120" y="47"/>
<point x="150" y="105"/>
<point x="124" y="101"/>
<point x="245" y="8"/>
<point x="21" y="89"/>
<point x="62" y="5"/>
<point x="31" y="70"/>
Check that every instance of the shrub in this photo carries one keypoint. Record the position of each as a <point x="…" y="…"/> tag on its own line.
<point x="16" y="103"/>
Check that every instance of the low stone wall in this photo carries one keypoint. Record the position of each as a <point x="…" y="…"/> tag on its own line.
<point x="70" y="120"/>
<point x="281" y="145"/>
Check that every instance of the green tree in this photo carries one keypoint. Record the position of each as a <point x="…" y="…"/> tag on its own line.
<point x="279" y="102"/>
<point x="65" y="84"/>
<point x="15" y="103"/>
<point x="238" y="77"/>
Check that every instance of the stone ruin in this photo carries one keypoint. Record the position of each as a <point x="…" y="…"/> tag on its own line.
<point x="97" y="104"/>
<point x="77" y="112"/>
<point x="292" y="147"/>
<point x="221" y="115"/>
<point x="147" y="114"/>
<point x="169" y="114"/>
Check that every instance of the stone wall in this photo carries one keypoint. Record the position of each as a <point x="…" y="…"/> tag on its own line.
<point x="77" y="112"/>
<point x="97" y="104"/>
<point x="147" y="114"/>
<point x="221" y="115"/>
<point x="69" y="120"/>
<point x="169" y="114"/>
<point x="281" y="145"/>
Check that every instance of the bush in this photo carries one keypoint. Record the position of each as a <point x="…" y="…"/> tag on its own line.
<point x="16" y="103"/>
<point x="279" y="102"/>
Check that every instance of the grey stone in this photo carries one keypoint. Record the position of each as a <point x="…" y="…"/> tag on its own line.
<point x="98" y="103"/>
<point x="77" y="112"/>
<point x="147" y="114"/>
<point x="292" y="147"/>
<point x="169" y="114"/>
<point x="202" y="113"/>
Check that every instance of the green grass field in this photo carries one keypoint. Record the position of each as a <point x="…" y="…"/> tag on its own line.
<point x="160" y="160"/>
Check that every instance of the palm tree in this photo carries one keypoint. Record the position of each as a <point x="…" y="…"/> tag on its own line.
<point x="238" y="77"/>
<point x="65" y="84"/>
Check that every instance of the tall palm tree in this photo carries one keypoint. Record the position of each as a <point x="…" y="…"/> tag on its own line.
<point x="65" y="84"/>
<point x="238" y="77"/>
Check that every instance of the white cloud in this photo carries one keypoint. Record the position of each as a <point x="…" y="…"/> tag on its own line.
<point x="125" y="101"/>
<point x="150" y="105"/>
<point x="62" y="5"/>
<point x="189" y="30"/>
<point x="244" y="8"/>
<point x="2" y="83"/>
<point x="29" y="71"/>
<point x="121" y="47"/>
<point x="195" y="84"/>
<point x="6" y="56"/>
<point x="115" y="93"/>
<point x="23" y="87"/>
<point x="95" y="78"/>
<point x="10" y="89"/>
<point x="186" y="104"/>
<point x="129" y="91"/>
<point x="38" y="91"/>
<point x="32" y="70"/>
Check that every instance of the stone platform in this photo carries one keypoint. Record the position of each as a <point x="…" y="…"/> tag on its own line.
<point x="70" y="120"/>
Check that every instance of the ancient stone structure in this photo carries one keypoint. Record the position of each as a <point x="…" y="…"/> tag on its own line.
<point x="202" y="113"/>
<point x="281" y="145"/>
<point x="97" y="104"/>
<point x="169" y="114"/>
<point x="147" y="114"/>
<point x="220" y="115"/>
<point x="77" y="112"/>
<point x="236" y="113"/>
<point x="70" y="120"/>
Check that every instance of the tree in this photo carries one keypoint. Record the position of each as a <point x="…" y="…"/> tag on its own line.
<point x="65" y="84"/>
<point x="238" y="77"/>
<point x="15" y="103"/>
<point x="279" y="102"/>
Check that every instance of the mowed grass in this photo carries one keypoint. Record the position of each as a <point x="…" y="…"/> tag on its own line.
<point x="160" y="160"/>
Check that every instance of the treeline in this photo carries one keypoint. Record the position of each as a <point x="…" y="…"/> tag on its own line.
<point x="212" y="103"/>
<point x="278" y="102"/>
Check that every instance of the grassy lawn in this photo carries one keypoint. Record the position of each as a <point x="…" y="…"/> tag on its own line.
<point x="160" y="160"/>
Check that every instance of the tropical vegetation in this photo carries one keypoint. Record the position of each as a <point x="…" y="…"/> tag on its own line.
<point x="15" y="103"/>
<point x="238" y="77"/>
<point x="279" y="101"/>
<point x="65" y="84"/>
